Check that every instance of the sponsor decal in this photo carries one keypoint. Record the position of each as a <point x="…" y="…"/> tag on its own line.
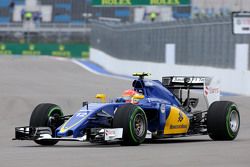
<point x="32" y="47"/>
<point x="3" y="50"/>
<point x="61" y="52"/>
<point x="85" y="54"/>
<point x="178" y="126"/>
<point x="2" y="47"/>
<point x="109" y="132"/>
<point x="210" y="90"/>
<point x="165" y="2"/>
<point x="61" y="48"/>
<point x="81" y="114"/>
<point x="189" y="79"/>
<point x="180" y="118"/>
<point x="163" y="108"/>
<point x="178" y="79"/>
<point x="116" y="2"/>
<point x="32" y="51"/>
<point x="139" y="2"/>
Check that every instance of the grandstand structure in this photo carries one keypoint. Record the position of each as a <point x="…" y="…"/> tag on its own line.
<point x="61" y="29"/>
<point x="59" y="11"/>
<point x="66" y="21"/>
<point x="76" y="11"/>
<point x="61" y="24"/>
<point x="80" y="11"/>
<point x="55" y="15"/>
<point x="6" y="10"/>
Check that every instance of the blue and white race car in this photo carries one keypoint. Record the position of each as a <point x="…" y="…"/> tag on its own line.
<point x="151" y="110"/>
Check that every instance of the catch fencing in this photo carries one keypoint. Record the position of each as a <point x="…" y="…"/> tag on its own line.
<point x="199" y="42"/>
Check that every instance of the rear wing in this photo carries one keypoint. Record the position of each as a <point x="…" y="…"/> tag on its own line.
<point x="210" y="86"/>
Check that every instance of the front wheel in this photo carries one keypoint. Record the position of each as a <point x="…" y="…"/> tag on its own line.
<point x="133" y="120"/>
<point x="223" y="120"/>
<point x="40" y="117"/>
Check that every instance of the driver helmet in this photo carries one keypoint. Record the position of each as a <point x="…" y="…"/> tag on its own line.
<point x="128" y="95"/>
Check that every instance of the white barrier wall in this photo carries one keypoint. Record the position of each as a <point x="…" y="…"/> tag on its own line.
<point x="233" y="81"/>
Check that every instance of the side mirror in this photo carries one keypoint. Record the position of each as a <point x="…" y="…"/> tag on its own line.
<point x="102" y="97"/>
<point x="138" y="96"/>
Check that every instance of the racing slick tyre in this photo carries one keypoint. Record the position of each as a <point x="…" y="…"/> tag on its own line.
<point x="223" y="120"/>
<point x="133" y="120"/>
<point x="40" y="117"/>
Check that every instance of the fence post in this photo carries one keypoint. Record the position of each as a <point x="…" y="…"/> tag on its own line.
<point x="170" y="54"/>
<point x="241" y="57"/>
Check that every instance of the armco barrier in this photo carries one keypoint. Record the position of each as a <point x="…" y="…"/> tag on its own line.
<point x="231" y="80"/>
<point x="76" y="50"/>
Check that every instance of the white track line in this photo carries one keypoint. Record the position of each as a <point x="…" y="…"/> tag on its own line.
<point x="98" y="73"/>
<point x="85" y="67"/>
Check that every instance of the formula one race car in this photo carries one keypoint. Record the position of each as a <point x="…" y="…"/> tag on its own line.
<point x="152" y="109"/>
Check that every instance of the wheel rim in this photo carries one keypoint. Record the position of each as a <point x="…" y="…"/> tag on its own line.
<point x="234" y="121"/>
<point x="139" y="125"/>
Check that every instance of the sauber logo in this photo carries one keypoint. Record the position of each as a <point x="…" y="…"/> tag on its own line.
<point x="180" y="118"/>
<point x="163" y="108"/>
<point x="109" y="132"/>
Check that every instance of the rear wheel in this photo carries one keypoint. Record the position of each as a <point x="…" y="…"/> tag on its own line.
<point x="223" y="120"/>
<point x="134" y="123"/>
<point x="40" y="117"/>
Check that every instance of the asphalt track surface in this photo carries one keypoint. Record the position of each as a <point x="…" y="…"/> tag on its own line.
<point x="27" y="81"/>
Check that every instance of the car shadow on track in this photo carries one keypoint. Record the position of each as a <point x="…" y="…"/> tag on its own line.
<point x="117" y="144"/>
<point x="175" y="141"/>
